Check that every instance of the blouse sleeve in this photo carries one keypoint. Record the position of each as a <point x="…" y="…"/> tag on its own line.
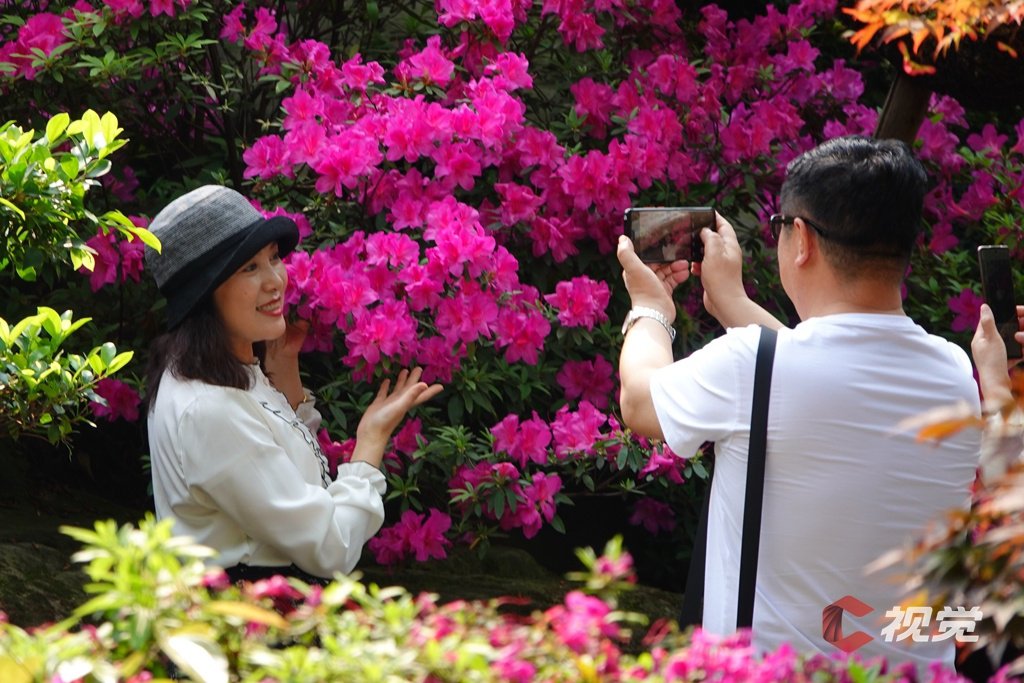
<point x="230" y="456"/>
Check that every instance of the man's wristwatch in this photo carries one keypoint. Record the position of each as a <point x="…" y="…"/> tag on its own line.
<point x="638" y="312"/>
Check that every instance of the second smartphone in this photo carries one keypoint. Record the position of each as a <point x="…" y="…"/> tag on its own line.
<point x="997" y="288"/>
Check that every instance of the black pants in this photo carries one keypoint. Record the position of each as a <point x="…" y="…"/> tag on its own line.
<point x="245" y="572"/>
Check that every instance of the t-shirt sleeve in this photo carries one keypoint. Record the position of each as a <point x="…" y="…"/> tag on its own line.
<point x="699" y="398"/>
<point x="230" y="457"/>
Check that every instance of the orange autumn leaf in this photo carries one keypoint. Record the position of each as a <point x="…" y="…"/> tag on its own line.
<point x="947" y="22"/>
<point x="912" y="68"/>
<point x="940" y="423"/>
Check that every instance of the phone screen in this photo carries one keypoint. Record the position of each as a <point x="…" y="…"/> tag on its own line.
<point x="666" y="234"/>
<point x="997" y="287"/>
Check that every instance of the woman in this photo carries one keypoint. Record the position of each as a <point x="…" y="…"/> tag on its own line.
<point x="235" y="460"/>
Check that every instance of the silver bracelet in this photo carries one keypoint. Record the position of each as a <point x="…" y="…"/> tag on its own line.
<point x="638" y="312"/>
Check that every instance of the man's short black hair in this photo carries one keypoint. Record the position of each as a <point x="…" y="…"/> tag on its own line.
<point x="866" y="194"/>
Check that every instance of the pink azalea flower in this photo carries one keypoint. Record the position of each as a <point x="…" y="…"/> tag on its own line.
<point x="266" y="158"/>
<point x="261" y="36"/>
<point x="966" y="310"/>
<point x="663" y="463"/>
<point x="125" y="8"/>
<point x="439" y="359"/>
<point x="524" y="442"/>
<point x="123" y="188"/>
<point x="580" y="302"/>
<point x="469" y="315"/>
<point x="457" y="163"/>
<point x="406" y="439"/>
<point x="576" y="432"/>
<point x="168" y="7"/>
<point x="581" y="621"/>
<point x="385" y="330"/>
<point x="510" y="71"/>
<point x="42" y="31"/>
<point x="233" y="27"/>
<point x="122" y="401"/>
<point x="106" y="256"/>
<point x="655" y="516"/>
<point x="415" y="534"/>
<point x="590" y="380"/>
<point x="942" y="239"/>
<point x="979" y="197"/>
<point x="359" y="76"/>
<point x="536" y="505"/>
<point x="521" y="332"/>
<point x="345" y="161"/>
<point x="518" y="203"/>
<point x="594" y="101"/>
<point x="335" y="452"/>
<point x="989" y="141"/>
<point x="556" y="236"/>
<point x="429" y="65"/>
<point x="132" y="259"/>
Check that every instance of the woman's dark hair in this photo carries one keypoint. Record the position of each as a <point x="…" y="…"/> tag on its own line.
<point x="198" y="349"/>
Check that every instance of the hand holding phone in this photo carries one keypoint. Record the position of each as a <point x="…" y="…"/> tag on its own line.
<point x="997" y="288"/>
<point x="667" y="234"/>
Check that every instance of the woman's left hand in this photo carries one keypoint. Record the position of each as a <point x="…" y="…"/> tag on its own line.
<point x="282" y="361"/>
<point x="387" y="410"/>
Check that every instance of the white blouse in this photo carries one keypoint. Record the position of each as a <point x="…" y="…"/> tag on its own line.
<point x="243" y="473"/>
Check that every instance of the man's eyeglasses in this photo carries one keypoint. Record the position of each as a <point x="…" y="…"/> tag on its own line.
<point x="777" y="220"/>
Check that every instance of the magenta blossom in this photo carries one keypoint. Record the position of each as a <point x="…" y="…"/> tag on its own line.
<point x="587" y="380"/>
<point x="415" y="534"/>
<point x="582" y="621"/>
<point x="576" y="432"/>
<point x="580" y="302"/>
<point x="966" y="308"/>
<point x="653" y="515"/>
<point x="525" y="441"/>
<point x="121" y="401"/>
<point x="536" y="505"/>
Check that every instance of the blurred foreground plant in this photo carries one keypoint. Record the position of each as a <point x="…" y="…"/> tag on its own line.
<point x="157" y="608"/>
<point x="975" y="558"/>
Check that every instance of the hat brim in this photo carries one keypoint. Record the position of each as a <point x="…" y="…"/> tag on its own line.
<point x="193" y="284"/>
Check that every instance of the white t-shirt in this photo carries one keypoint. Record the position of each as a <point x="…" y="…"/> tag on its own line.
<point x="241" y="473"/>
<point x="842" y="485"/>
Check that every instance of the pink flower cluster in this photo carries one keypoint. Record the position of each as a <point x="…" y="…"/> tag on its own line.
<point x="43" y="31"/>
<point x="415" y="534"/>
<point x="577" y="19"/>
<point x="513" y="500"/>
<point x="121" y="401"/>
<point x="117" y="260"/>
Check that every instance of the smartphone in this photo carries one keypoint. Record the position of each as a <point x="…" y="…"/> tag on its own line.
<point x="666" y="234"/>
<point x="997" y="287"/>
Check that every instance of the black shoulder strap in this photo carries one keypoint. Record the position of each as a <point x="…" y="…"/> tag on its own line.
<point x="755" y="478"/>
<point x="693" y="599"/>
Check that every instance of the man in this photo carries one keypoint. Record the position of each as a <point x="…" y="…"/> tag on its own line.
<point x="842" y="484"/>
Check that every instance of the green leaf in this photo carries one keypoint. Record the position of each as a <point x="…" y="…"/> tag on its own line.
<point x="56" y="127"/>
<point x="148" y="238"/>
<point x="119" y="361"/>
<point x="12" y="207"/>
<point x="70" y="164"/>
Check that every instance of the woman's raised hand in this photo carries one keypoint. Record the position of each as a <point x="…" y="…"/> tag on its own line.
<point x="387" y="410"/>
